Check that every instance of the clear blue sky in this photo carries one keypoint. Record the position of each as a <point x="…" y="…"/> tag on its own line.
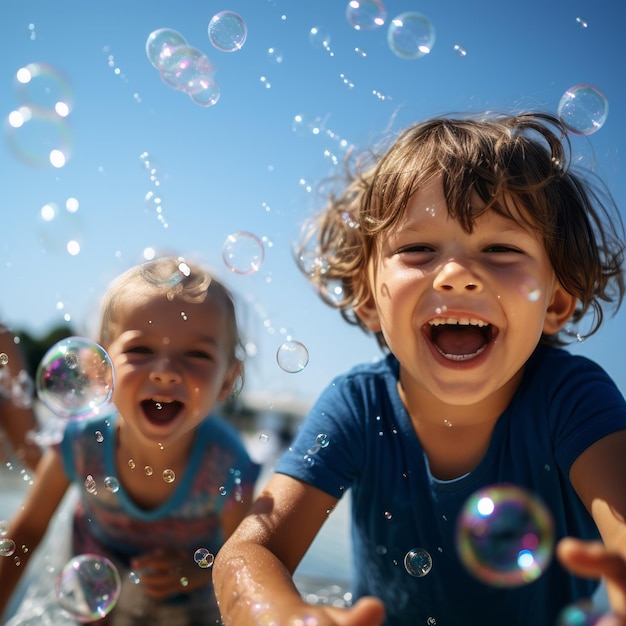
<point x="239" y="165"/>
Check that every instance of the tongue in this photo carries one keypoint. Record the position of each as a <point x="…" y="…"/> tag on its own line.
<point x="160" y="412"/>
<point x="458" y="340"/>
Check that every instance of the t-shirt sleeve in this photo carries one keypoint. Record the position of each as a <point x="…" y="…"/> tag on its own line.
<point x="328" y="449"/>
<point x="586" y="405"/>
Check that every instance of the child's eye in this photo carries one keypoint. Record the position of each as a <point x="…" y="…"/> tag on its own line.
<point x="200" y="354"/>
<point x="415" y="249"/>
<point x="138" y="350"/>
<point x="499" y="248"/>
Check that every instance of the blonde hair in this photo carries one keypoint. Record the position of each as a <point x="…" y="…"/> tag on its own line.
<point x="175" y="278"/>
<point x="525" y="157"/>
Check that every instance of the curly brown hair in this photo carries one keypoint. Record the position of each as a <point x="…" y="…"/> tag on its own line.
<point x="525" y="157"/>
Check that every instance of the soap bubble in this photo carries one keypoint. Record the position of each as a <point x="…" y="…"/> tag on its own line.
<point x="208" y="95"/>
<point x="581" y="613"/>
<point x="44" y="86"/>
<point x="186" y="69"/>
<point x="7" y="547"/>
<point x="37" y="136"/>
<point x="88" y="587"/>
<point x="161" y="44"/>
<point x="292" y="357"/>
<point x="75" y="378"/>
<point x="227" y="31"/>
<point x="366" y="14"/>
<point x="243" y="253"/>
<point x="411" y="35"/>
<point x="418" y="562"/>
<point x="203" y="558"/>
<point x="505" y="536"/>
<point x="583" y="109"/>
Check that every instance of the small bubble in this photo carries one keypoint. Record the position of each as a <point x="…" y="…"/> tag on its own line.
<point x="184" y="581"/>
<point x="388" y="515"/>
<point x="99" y="436"/>
<point x="131" y="464"/>
<point x="203" y="558"/>
<point x="222" y="491"/>
<point x="112" y="484"/>
<point x="169" y="476"/>
<point x="4" y="359"/>
<point x="7" y="547"/>
<point x="418" y="562"/>
<point x="292" y="356"/>
<point x="134" y="578"/>
<point x="322" y="440"/>
<point x="90" y="484"/>
<point x="148" y="470"/>
<point x="264" y="438"/>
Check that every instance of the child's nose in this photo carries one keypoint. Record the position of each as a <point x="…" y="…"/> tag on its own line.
<point x="457" y="276"/>
<point x="165" y="372"/>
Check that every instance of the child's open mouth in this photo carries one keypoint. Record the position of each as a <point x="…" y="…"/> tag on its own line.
<point x="161" y="412"/>
<point x="459" y="339"/>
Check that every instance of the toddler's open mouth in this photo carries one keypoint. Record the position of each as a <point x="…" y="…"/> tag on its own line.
<point x="161" y="412"/>
<point x="460" y="339"/>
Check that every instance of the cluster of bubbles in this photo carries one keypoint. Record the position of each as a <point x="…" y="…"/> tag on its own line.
<point x="583" y="109"/>
<point x="410" y="35"/>
<point x="88" y="587"/>
<point x="153" y="199"/>
<point x="322" y="440"/>
<point x="38" y="131"/>
<point x="182" y="66"/>
<point x="75" y="378"/>
<point x="203" y="558"/>
<point x="505" y="536"/>
<point x="188" y="69"/>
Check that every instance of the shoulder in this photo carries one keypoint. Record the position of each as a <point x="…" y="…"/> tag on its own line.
<point x="373" y="374"/>
<point x="556" y="366"/>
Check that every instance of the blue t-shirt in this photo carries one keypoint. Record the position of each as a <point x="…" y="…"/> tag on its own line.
<point x="107" y="519"/>
<point x="359" y="436"/>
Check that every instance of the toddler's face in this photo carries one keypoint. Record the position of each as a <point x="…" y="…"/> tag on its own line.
<point x="172" y="363"/>
<point x="461" y="312"/>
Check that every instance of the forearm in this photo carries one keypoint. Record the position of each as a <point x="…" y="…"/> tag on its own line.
<point x="252" y="585"/>
<point x="11" y="570"/>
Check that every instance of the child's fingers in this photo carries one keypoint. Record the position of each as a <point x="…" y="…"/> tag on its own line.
<point x="367" y="611"/>
<point x="592" y="560"/>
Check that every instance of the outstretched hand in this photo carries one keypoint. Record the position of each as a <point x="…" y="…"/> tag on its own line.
<point x="591" y="559"/>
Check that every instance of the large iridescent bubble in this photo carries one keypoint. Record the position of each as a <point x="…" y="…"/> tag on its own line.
<point x="583" y="109"/>
<point x="88" y="587"/>
<point x="366" y="14"/>
<point x="410" y="35"/>
<point x="505" y="536"/>
<point x="227" y="31"/>
<point x="75" y="378"/>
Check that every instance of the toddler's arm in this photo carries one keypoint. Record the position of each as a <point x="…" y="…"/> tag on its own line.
<point x="599" y="477"/>
<point x="253" y="570"/>
<point x="31" y="521"/>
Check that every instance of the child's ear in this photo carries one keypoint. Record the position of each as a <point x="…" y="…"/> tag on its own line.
<point x="368" y="314"/>
<point x="560" y="309"/>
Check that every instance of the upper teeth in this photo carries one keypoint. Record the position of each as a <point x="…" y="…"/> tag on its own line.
<point x="463" y="321"/>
